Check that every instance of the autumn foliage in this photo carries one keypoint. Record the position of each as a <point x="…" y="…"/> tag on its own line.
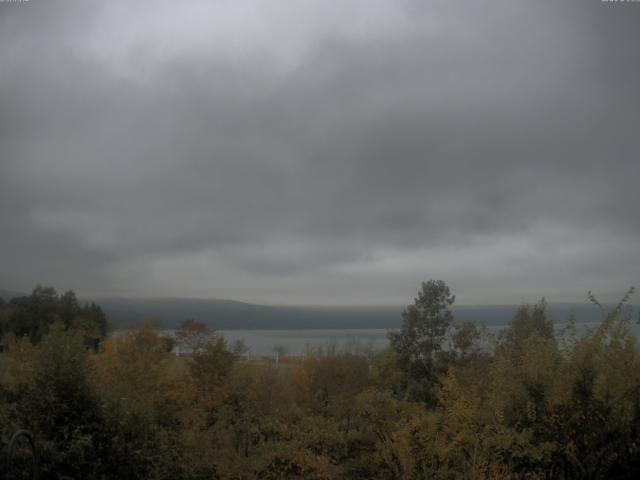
<point x="444" y="401"/>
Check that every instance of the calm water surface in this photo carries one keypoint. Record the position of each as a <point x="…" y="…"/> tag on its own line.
<point x="299" y="342"/>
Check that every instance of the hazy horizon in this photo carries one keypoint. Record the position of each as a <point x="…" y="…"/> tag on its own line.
<point x="7" y="294"/>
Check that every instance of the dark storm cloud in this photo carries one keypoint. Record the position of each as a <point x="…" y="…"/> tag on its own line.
<point x="320" y="153"/>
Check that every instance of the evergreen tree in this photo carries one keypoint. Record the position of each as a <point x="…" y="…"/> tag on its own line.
<point x="419" y="343"/>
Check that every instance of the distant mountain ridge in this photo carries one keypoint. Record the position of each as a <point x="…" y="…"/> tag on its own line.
<point x="234" y="315"/>
<point x="7" y="295"/>
<point x="230" y="314"/>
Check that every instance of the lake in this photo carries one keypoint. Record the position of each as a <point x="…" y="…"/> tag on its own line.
<point x="299" y="342"/>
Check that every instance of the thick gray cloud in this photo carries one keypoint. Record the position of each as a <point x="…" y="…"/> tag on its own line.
<point x="320" y="152"/>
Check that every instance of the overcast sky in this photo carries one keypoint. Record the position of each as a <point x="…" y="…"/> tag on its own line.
<point x="321" y="152"/>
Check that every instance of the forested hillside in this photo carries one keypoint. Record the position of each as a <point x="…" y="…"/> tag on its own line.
<point x="230" y="315"/>
<point x="233" y="315"/>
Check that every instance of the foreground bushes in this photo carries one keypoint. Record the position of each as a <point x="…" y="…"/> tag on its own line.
<point x="535" y="404"/>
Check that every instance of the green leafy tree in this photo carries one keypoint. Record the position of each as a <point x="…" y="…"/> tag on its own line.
<point x="34" y="314"/>
<point x="91" y="322"/>
<point x="466" y="340"/>
<point x="527" y="321"/>
<point x="62" y="410"/>
<point x="419" y="343"/>
<point x="212" y="364"/>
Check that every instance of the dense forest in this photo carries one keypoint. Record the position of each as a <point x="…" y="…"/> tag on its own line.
<point x="445" y="400"/>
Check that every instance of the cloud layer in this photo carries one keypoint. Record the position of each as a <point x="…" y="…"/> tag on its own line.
<point x="320" y="152"/>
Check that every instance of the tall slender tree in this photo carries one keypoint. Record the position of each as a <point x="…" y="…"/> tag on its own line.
<point x="419" y="342"/>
